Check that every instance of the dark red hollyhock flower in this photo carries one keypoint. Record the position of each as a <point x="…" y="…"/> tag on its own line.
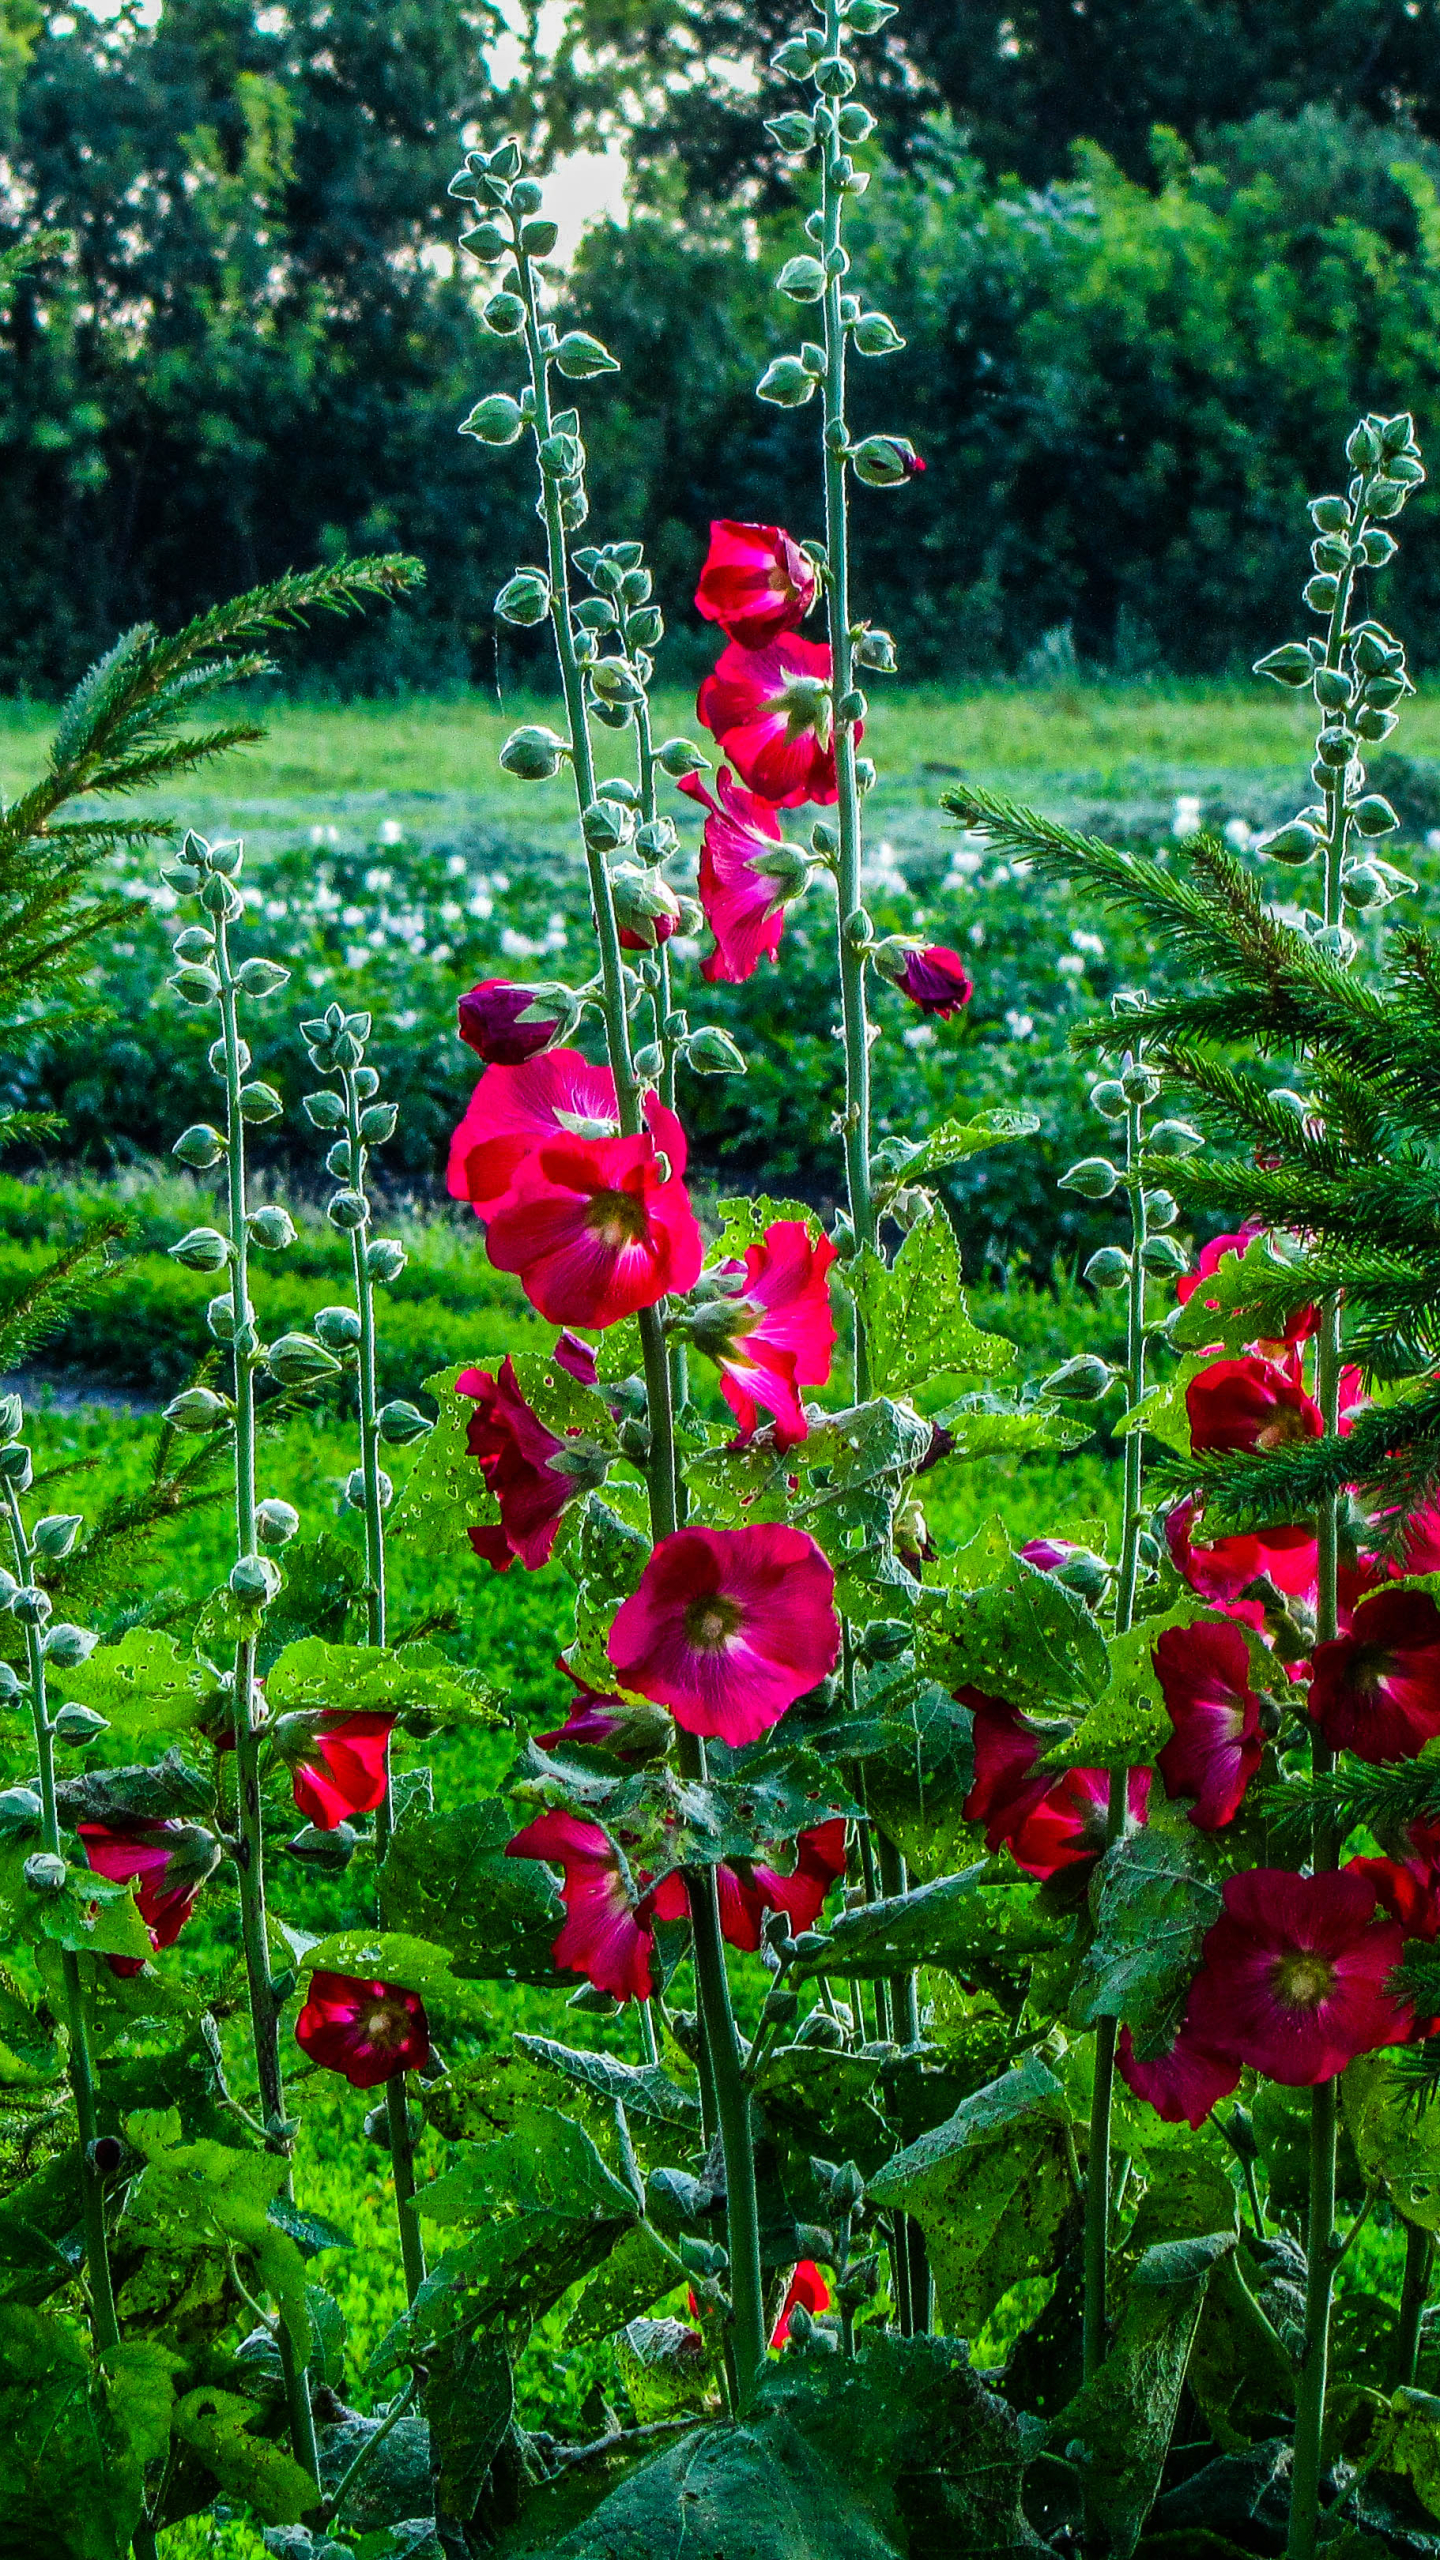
<point x="1215" y="1750"/>
<point x="779" y="1334"/>
<point x="807" y="2288"/>
<point x="1408" y="1888"/>
<point x="1293" y="1976"/>
<point x="576" y="1358"/>
<point x="1376" y="1691"/>
<point x="608" y="1935"/>
<point x="514" y="1111"/>
<point x="744" y="906"/>
<point x="490" y="1024"/>
<point x="728" y="1627"/>
<point x="367" y="2031"/>
<point x="746" y="1890"/>
<point x="595" y="1228"/>
<point x="1067" y="1827"/>
<point x="339" y="1765"/>
<point x="1249" y="1404"/>
<point x="770" y="710"/>
<point x="1299" y="1326"/>
<point x="512" y="1448"/>
<point x="755" y="583"/>
<point x="166" y="1861"/>
<point x="1181" y="2085"/>
<point x="936" y="980"/>
<point x="1222" y="1568"/>
<point x="1046" y="1822"/>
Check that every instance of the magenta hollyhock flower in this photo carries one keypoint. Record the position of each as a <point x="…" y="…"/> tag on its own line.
<point x="1048" y="1554"/>
<point x="778" y="1334"/>
<point x="166" y="1861"/>
<point x="608" y="1936"/>
<point x="1008" y="1783"/>
<point x="728" y="1627"/>
<point x="1407" y="1888"/>
<point x="744" y="906"/>
<point x="575" y="1357"/>
<point x="339" y="1764"/>
<point x="1249" y="1404"/>
<point x="367" y="2031"/>
<point x="514" y="1111"/>
<point x="936" y="980"/>
<point x="490" y="1024"/>
<point x="1182" y="2085"/>
<point x="1215" y="1750"/>
<point x="1221" y="1568"/>
<point x="624" y="1726"/>
<point x="807" y="2290"/>
<point x="1294" y="1974"/>
<point x="756" y="582"/>
<point x="595" y="1229"/>
<point x="1067" y="1827"/>
<point x="771" y="712"/>
<point x="1376" y="1691"/>
<point x="1299" y="1325"/>
<point x="747" y="1889"/>
<point x="513" y="1449"/>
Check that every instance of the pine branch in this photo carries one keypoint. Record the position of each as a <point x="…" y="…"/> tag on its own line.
<point x="51" y="1297"/>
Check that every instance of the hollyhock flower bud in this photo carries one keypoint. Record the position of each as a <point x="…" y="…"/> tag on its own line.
<point x="493" y="1024"/>
<point x="167" y="1861"/>
<point x="1215" y="1750"/>
<point x="594" y="1230"/>
<point x="742" y="894"/>
<point x="513" y="1450"/>
<point x="885" y="462"/>
<point x="756" y="582"/>
<point x="608" y="1935"/>
<point x="1294" y="1974"/>
<point x="576" y="1358"/>
<point x="728" y="1627"/>
<point x="338" y="1763"/>
<point x="513" y="1111"/>
<point x="1376" y="1691"/>
<point x="647" y="910"/>
<point x="809" y="2292"/>
<point x="778" y="1335"/>
<point x="1249" y="1404"/>
<point x="629" y="1728"/>
<point x="770" y="710"/>
<point x="935" y="979"/>
<point x="367" y="2031"/>
<point x="1182" y="2085"/>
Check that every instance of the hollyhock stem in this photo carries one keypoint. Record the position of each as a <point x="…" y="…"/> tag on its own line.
<point x="1097" y="2179"/>
<point x="81" y="2065"/>
<point x="369" y="1428"/>
<point x="402" y="2162"/>
<point x="1414" y="2293"/>
<point x="732" y="2107"/>
<point x="250" y="1848"/>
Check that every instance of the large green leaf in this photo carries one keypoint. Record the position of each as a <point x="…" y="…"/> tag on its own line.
<point x="167" y="1789"/>
<point x="642" y="2091"/>
<point x="1153" y="1900"/>
<point x="446" y="1878"/>
<point x="469" y="2400"/>
<point x="1023" y="1637"/>
<point x="990" y="2189"/>
<point x="639" y="2271"/>
<point x="743" y="1222"/>
<point x="548" y="2164"/>
<point x="988" y="1424"/>
<point x="1248" y="1297"/>
<point x="917" y="1325"/>
<point x="1129" y="1721"/>
<point x="215" y="2425"/>
<point x="914" y="1160"/>
<point x="145" y="1685"/>
<point x="73" y="2479"/>
<point x="193" y="2196"/>
<point x="607" y="1555"/>
<point x="89" y="1914"/>
<point x="1125" y="2415"/>
<point x="445" y="1494"/>
<point x="1395" y="2139"/>
<point x="357" y="1678"/>
<point x="857" y="1467"/>
<point x="961" y="1923"/>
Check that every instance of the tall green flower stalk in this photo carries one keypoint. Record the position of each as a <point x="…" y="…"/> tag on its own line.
<point x="208" y="976"/>
<point x="601" y="683"/>
<point x="336" y="1043"/>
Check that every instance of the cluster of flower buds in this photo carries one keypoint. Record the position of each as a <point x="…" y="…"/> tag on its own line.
<point x="1358" y="677"/>
<point x="22" y="1594"/>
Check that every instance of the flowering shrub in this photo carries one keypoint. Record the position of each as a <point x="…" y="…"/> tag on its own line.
<point x="917" y="1895"/>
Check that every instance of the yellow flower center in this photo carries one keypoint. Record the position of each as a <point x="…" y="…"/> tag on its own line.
<point x="711" y="1622"/>
<point x="1303" y="1980"/>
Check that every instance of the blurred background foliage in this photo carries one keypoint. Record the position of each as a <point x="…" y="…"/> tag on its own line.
<point x="1151" y="258"/>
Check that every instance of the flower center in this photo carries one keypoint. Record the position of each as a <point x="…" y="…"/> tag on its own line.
<point x="1302" y="1980"/>
<point x="385" y="2025"/>
<point x="578" y="1126"/>
<point x="1287" y="1425"/>
<point x="711" y="1622"/>
<point x="616" y="1218"/>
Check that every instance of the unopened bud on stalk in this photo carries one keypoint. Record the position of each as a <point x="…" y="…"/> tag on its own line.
<point x="276" y="1522"/>
<point x="254" y="1580"/>
<point x="679" y="756"/>
<point x="1094" y="1178"/>
<point x="400" y="1422"/>
<point x="199" y="1146"/>
<point x="525" y="598"/>
<point x="198" y="1409"/>
<point x="55" y="1536"/>
<point x="1108" y="1269"/>
<point x="271" y="1228"/>
<point x="533" y="755"/>
<point x="355" y="1488"/>
<point x="1085" y="1379"/>
<point x="337" y="1327"/>
<point x="260" y="978"/>
<point x="66" y="1645"/>
<point x="711" y="1052"/>
<point x="1174" y="1138"/>
<point x="385" y="1259"/>
<point x="76" y="1725"/>
<point x="885" y="462"/>
<point x="16" y="1466"/>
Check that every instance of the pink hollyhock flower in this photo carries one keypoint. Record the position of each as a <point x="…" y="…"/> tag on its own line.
<point x="756" y="582"/>
<point x="1007" y="1783"/>
<point x="809" y="2290"/>
<point x="1299" y="1326"/>
<point x="1249" y="1404"/>
<point x="778" y="1335"/>
<point x="936" y="980"/>
<point x="1215" y="1750"/>
<point x="1182" y="2085"/>
<point x="1220" y="1569"/>
<point x="728" y="1627"/>
<point x="490" y="1024"/>
<point x="1293" y="1976"/>
<point x="744" y="905"/>
<point x="1067" y="1827"/>
<point x="746" y="1890"/>
<point x="576" y="1358"/>
<point x="608" y="1935"/>
<point x="367" y="2031"/>
<point x="627" y="1727"/>
<point x="514" y="1111"/>
<point x="513" y="1450"/>
<point x="1376" y="1691"/>
<point x="166" y="1861"/>
<point x="1048" y="1554"/>
<point x="339" y="1765"/>
<point x="771" y="711"/>
<point x="594" y="1230"/>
